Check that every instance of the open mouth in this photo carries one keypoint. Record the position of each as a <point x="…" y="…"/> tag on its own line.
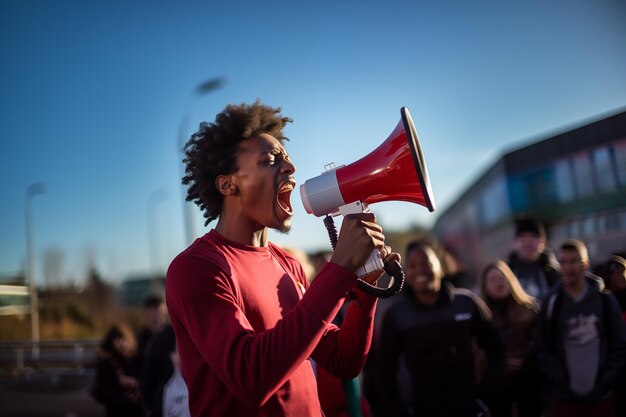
<point x="284" y="197"/>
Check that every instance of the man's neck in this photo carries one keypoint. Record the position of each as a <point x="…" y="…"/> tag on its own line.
<point x="427" y="297"/>
<point x="530" y="260"/>
<point x="577" y="289"/>
<point x="240" y="232"/>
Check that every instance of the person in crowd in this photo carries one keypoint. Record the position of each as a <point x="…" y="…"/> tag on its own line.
<point x="155" y="318"/>
<point x="245" y="318"/>
<point x="433" y="329"/>
<point x="319" y="259"/>
<point x="581" y="339"/>
<point x="157" y="369"/>
<point x="532" y="262"/>
<point x="514" y="314"/>
<point x="616" y="280"/>
<point x="175" y="394"/>
<point x="304" y="260"/>
<point x="116" y="385"/>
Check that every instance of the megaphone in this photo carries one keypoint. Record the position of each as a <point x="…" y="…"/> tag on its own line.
<point x="395" y="171"/>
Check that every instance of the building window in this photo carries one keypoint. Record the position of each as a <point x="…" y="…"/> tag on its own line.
<point x="583" y="174"/>
<point x="619" y="148"/>
<point x="494" y="202"/>
<point x="589" y="226"/>
<point x="517" y="194"/>
<point x="603" y="170"/>
<point x="564" y="185"/>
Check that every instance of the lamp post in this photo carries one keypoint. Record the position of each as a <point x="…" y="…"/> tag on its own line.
<point x="157" y="196"/>
<point x="200" y="90"/>
<point x="31" y="191"/>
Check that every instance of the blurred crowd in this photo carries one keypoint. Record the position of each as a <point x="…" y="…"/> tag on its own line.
<point x="138" y="374"/>
<point x="540" y="334"/>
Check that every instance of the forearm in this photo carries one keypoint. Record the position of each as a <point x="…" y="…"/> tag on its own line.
<point x="343" y="351"/>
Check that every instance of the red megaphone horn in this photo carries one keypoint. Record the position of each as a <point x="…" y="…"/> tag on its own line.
<point x="396" y="170"/>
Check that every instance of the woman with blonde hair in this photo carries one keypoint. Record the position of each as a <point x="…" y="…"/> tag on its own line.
<point x="514" y="314"/>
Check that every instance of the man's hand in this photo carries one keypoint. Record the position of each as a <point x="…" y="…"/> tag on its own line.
<point x="359" y="236"/>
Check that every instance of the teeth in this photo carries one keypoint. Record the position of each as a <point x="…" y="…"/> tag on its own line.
<point x="286" y="187"/>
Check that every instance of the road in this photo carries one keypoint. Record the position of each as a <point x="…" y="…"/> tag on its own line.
<point x="46" y="396"/>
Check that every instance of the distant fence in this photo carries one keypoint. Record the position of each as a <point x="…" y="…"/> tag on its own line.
<point x="19" y="355"/>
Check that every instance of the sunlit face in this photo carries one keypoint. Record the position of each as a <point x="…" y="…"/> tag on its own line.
<point x="264" y="182"/>
<point x="572" y="268"/>
<point x="423" y="270"/>
<point x="496" y="285"/>
<point x="529" y="246"/>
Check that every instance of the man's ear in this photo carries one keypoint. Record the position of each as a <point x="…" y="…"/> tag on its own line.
<point x="225" y="185"/>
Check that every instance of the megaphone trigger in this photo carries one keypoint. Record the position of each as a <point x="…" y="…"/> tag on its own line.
<point x="354" y="208"/>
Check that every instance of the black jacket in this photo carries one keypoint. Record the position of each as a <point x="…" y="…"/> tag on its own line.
<point x="436" y="343"/>
<point x="157" y="369"/>
<point x="107" y="389"/>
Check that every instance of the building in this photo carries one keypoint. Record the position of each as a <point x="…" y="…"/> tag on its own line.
<point x="14" y="295"/>
<point x="137" y="288"/>
<point x="575" y="182"/>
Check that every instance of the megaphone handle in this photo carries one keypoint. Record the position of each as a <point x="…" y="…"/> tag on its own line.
<point x="374" y="263"/>
<point x="393" y="269"/>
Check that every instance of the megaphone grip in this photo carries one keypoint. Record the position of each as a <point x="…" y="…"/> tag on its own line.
<point x="393" y="269"/>
<point x="374" y="263"/>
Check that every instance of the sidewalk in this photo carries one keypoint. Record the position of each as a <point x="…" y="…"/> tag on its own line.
<point x="46" y="396"/>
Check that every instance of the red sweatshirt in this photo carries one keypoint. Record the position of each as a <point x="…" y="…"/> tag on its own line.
<point x="246" y="328"/>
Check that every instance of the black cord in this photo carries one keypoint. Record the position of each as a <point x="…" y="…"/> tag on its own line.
<point x="329" y="223"/>
<point x="393" y="269"/>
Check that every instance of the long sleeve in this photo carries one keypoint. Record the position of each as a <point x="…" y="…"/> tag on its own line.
<point x="343" y="351"/>
<point x="205" y="305"/>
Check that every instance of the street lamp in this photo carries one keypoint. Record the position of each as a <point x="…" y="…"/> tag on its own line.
<point x="157" y="196"/>
<point x="200" y="90"/>
<point x="31" y="191"/>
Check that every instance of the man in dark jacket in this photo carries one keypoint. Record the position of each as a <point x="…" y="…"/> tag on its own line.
<point x="581" y="340"/>
<point x="157" y="369"/>
<point x="428" y="343"/>
<point x="532" y="262"/>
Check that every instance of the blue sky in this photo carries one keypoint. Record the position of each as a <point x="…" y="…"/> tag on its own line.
<point x="93" y="95"/>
